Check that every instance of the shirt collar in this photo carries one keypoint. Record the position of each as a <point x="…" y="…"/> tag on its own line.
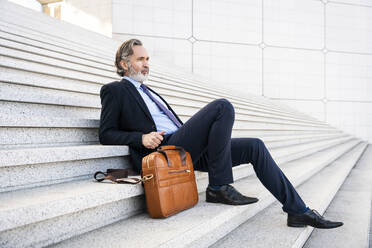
<point x="134" y="82"/>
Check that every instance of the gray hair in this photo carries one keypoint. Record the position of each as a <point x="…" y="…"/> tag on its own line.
<point x="123" y="53"/>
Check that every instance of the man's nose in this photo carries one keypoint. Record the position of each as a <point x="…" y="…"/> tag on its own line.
<point x="146" y="64"/>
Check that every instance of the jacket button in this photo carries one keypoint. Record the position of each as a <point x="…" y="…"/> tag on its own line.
<point x="153" y="126"/>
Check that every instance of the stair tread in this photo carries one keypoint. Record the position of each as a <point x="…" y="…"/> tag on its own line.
<point x="56" y="42"/>
<point x="257" y="100"/>
<point x="90" y="192"/>
<point x="352" y="205"/>
<point x="195" y="223"/>
<point x="37" y="155"/>
<point x="46" y="71"/>
<point x="21" y="156"/>
<point x="32" y="121"/>
<point x="54" y="27"/>
<point x="269" y="229"/>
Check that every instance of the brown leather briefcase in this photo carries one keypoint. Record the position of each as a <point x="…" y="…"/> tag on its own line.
<point x="169" y="181"/>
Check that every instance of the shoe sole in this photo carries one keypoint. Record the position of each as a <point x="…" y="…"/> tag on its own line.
<point x="212" y="200"/>
<point x="296" y="225"/>
<point x="319" y="227"/>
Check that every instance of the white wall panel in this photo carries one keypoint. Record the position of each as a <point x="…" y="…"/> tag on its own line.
<point x="294" y="23"/>
<point x="231" y="66"/>
<point x="292" y="73"/>
<point x="169" y="18"/>
<point x="349" y="28"/>
<point x="230" y="21"/>
<point x="355" y="2"/>
<point x="172" y="52"/>
<point x="349" y="76"/>
<point x="351" y="117"/>
<point x="290" y="65"/>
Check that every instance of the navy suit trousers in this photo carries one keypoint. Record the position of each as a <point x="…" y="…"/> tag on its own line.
<point x="207" y="137"/>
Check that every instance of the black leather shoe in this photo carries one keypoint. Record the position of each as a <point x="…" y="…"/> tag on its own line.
<point x="311" y="218"/>
<point x="227" y="194"/>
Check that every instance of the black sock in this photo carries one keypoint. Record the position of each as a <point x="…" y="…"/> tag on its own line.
<point x="215" y="187"/>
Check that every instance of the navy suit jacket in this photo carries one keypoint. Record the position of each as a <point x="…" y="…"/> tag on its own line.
<point x="125" y="118"/>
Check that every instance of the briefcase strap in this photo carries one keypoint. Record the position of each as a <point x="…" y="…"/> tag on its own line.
<point x="120" y="176"/>
<point x="180" y="150"/>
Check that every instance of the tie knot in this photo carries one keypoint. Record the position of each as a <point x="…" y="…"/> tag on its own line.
<point x="143" y="86"/>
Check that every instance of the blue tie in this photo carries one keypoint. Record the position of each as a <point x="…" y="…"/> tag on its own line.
<point x="161" y="106"/>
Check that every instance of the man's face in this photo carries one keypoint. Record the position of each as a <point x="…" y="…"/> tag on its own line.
<point x="138" y="66"/>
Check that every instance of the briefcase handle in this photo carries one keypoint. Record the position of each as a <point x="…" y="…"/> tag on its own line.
<point x="180" y="150"/>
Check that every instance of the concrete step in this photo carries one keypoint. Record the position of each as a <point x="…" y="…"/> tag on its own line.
<point x="28" y="130"/>
<point x="68" y="209"/>
<point x="277" y="141"/>
<point x="104" y="44"/>
<point x="242" y="112"/>
<point x="24" y="81"/>
<point x="174" y="84"/>
<point x="53" y="106"/>
<point x="13" y="40"/>
<point x="38" y="21"/>
<point x="47" y="122"/>
<point x="203" y="85"/>
<point x="183" y="82"/>
<point x="352" y="205"/>
<point x="113" y="46"/>
<point x="26" y="115"/>
<point x="167" y="87"/>
<point x="30" y="93"/>
<point x="199" y="226"/>
<point x="15" y="92"/>
<point x="289" y="153"/>
<point x="186" y="104"/>
<point x="31" y="167"/>
<point x="268" y="228"/>
<point x="26" y="167"/>
<point x="264" y="133"/>
<point x="13" y="136"/>
<point x="40" y="217"/>
<point x="333" y="153"/>
<point x="24" y="93"/>
<point x="17" y="50"/>
<point x="22" y="77"/>
<point x="67" y="96"/>
<point x="42" y="68"/>
<point x="42" y="155"/>
<point x="24" y="120"/>
<point x="47" y="39"/>
<point x="9" y="107"/>
<point x="21" y="131"/>
<point x="32" y="62"/>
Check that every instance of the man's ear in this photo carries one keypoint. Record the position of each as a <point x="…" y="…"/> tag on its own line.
<point x="124" y="65"/>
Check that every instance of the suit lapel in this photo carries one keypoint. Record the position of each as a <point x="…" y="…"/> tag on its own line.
<point x="133" y="91"/>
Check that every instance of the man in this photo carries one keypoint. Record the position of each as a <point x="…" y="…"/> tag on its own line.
<point x="134" y="115"/>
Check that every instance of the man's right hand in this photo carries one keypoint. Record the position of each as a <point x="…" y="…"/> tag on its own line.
<point x="152" y="140"/>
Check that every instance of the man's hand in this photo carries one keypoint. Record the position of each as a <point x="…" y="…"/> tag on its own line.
<point x="152" y="140"/>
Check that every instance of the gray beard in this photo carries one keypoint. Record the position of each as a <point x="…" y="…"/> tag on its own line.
<point x="138" y="76"/>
